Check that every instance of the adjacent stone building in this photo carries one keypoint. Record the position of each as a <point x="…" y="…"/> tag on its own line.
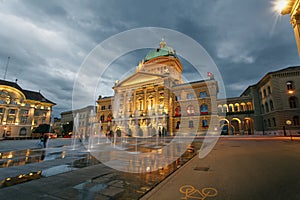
<point x="21" y="110"/>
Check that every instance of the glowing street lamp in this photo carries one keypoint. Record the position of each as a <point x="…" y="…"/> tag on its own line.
<point x="291" y="7"/>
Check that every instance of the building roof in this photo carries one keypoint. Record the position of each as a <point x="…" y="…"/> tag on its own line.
<point x="36" y="96"/>
<point x="163" y="50"/>
<point x="30" y="95"/>
<point x="11" y="84"/>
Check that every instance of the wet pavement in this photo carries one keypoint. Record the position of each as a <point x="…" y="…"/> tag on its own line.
<point x="68" y="161"/>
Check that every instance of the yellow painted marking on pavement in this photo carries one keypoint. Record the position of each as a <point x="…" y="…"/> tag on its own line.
<point x="191" y="192"/>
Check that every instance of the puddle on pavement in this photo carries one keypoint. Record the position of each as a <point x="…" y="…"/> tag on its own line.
<point x="23" y="157"/>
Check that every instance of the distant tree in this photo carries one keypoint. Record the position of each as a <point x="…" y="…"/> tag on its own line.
<point x="67" y="128"/>
<point x="43" y="128"/>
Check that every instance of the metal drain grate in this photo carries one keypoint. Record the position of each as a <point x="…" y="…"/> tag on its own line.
<point x="204" y="169"/>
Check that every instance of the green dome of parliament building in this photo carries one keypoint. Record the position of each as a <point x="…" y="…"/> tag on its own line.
<point x="163" y="50"/>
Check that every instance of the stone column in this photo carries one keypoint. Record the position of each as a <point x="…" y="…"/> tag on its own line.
<point x="145" y="100"/>
<point x="17" y="116"/>
<point x="5" y="115"/>
<point x="295" y="21"/>
<point x="156" y="103"/>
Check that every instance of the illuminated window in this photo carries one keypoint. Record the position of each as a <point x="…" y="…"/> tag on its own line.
<point x="189" y="96"/>
<point x="204" y="123"/>
<point x="190" y="110"/>
<point x="203" y="94"/>
<point x="204" y="109"/>
<point x="289" y="85"/>
<point x="178" y="111"/>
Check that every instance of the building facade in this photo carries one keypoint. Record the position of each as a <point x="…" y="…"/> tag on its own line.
<point x="21" y="110"/>
<point x="155" y="100"/>
<point x="81" y="120"/>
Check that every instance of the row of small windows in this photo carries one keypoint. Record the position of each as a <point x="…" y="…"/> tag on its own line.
<point x="267" y="107"/>
<point x="103" y="107"/>
<point x="235" y="107"/>
<point x="191" y="124"/>
<point x="191" y="110"/>
<point x="192" y="96"/>
<point x="272" y="122"/>
<point x="109" y="118"/>
<point x="269" y="124"/>
<point x="265" y="93"/>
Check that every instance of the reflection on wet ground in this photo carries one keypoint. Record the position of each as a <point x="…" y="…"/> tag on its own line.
<point x="117" y="184"/>
<point x="122" y="185"/>
<point x="23" y="157"/>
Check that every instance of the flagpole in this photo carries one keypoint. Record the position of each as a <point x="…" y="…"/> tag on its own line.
<point x="6" y="67"/>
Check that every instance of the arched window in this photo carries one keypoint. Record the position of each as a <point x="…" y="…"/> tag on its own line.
<point x="293" y="101"/>
<point x="230" y="108"/>
<point x="178" y="125"/>
<point x="271" y="105"/>
<point x="204" y="109"/>
<point x="225" y="108"/>
<point x="220" y="109"/>
<point x="265" y="93"/>
<point x="178" y="111"/>
<point x="236" y="107"/>
<point x="267" y="107"/>
<point x="269" y="123"/>
<point x="190" y="110"/>
<point x="262" y="109"/>
<point x="269" y="90"/>
<point x="289" y="85"/>
<point x="249" y="106"/>
<point x="296" y="121"/>
<point x="204" y="123"/>
<point x="242" y="106"/>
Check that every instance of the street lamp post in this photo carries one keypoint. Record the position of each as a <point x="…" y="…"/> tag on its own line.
<point x="289" y="122"/>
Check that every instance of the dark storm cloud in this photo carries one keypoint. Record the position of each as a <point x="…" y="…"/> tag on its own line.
<point x="48" y="40"/>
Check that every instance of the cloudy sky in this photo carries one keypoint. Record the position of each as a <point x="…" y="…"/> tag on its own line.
<point x="48" y="41"/>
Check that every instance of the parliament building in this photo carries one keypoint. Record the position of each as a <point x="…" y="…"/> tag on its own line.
<point x="156" y="100"/>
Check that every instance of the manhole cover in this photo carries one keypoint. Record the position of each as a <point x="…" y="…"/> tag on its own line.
<point x="205" y="169"/>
